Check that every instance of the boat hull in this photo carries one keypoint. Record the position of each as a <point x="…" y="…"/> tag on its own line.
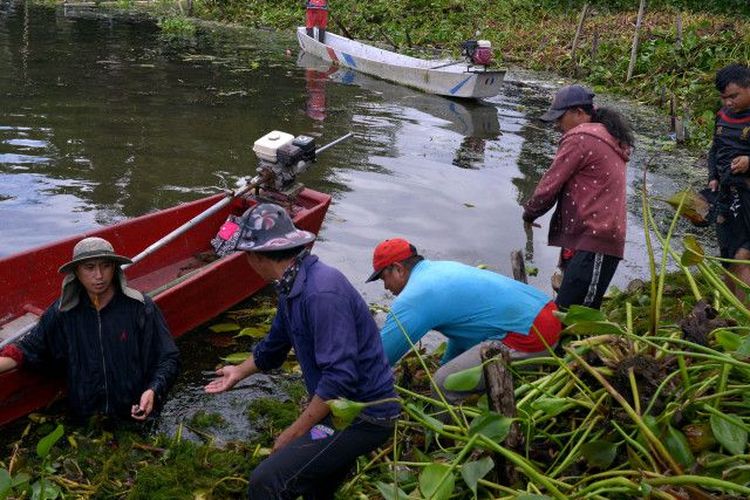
<point x="184" y="278"/>
<point x="435" y="77"/>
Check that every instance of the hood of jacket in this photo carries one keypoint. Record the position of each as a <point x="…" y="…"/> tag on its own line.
<point x="599" y="131"/>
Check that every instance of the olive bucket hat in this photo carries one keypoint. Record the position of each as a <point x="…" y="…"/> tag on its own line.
<point x="263" y="228"/>
<point x="93" y="247"/>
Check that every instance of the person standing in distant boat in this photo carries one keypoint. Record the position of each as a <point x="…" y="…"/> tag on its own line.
<point x="110" y="341"/>
<point x="587" y="181"/>
<point x="316" y="17"/>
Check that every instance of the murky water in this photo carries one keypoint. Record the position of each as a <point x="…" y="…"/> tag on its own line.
<point x="101" y="119"/>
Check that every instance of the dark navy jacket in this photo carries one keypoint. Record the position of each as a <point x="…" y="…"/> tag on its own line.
<point x="110" y="357"/>
<point x="731" y="139"/>
<point x="335" y="338"/>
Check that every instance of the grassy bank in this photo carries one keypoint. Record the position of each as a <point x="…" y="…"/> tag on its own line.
<point x="674" y="64"/>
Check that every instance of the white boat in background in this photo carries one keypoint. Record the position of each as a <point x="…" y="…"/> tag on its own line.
<point x="453" y="79"/>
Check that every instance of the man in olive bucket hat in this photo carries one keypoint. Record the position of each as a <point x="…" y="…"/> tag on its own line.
<point x="110" y="341"/>
<point x="338" y="348"/>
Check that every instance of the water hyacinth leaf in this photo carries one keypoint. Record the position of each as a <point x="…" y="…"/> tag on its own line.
<point x="465" y="380"/>
<point x="472" y="472"/>
<point x="693" y="253"/>
<point x="730" y="341"/>
<point x="731" y="436"/>
<point x="550" y="406"/>
<point x="45" y="444"/>
<point x="344" y="411"/>
<point x="224" y="327"/>
<point x="236" y="357"/>
<point x="577" y="314"/>
<point x="255" y="332"/>
<point x="5" y="483"/>
<point x="436" y="482"/>
<point x="695" y="208"/>
<point x="677" y="445"/>
<point x="391" y="491"/>
<point x="595" y="328"/>
<point x="491" y="425"/>
<point x="744" y="348"/>
<point x="528" y="496"/>
<point x="599" y="453"/>
<point x="44" y="489"/>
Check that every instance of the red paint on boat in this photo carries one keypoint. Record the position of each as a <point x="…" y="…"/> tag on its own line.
<point x="188" y="287"/>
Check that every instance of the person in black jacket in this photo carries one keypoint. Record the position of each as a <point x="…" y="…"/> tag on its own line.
<point x="110" y="341"/>
<point x="729" y="171"/>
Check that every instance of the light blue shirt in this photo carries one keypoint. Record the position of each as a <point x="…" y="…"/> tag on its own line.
<point x="466" y="304"/>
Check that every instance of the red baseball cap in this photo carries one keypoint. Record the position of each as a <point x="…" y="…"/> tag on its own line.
<point x="388" y="252"/>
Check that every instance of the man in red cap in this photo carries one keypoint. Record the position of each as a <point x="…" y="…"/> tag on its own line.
<point x="466" y="304"/>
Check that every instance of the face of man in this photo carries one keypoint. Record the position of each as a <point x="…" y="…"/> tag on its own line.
<point x="736" y="97"/>
<point x="263" y="266"/>
<point x="394" y="278"/>
<point x="96" y="275"/>
<point x="571" y="119"/>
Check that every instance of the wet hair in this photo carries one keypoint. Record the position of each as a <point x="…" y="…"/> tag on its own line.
<point x="614" y="122"/>
<point x="282" y="255"/>
<point x="734" y="73"/>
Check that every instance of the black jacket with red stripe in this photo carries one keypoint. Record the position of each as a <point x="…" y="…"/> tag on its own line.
<point x="731" y="139"/>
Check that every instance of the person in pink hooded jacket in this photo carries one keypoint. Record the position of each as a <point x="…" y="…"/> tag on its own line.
<point x="587" y="183"/>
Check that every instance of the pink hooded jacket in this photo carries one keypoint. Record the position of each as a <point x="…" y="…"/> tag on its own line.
<point x="587" y="180"/>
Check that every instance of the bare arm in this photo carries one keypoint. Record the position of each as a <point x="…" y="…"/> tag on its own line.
<point x="7" y="364"/>
<point x="316" y="411"/>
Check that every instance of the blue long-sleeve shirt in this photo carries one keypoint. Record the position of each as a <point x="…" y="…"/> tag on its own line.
<point x="335" y="339"/>
<point x="466" y="304"/>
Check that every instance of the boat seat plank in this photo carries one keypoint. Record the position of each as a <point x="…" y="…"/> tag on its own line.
<point x="167" y="274"/>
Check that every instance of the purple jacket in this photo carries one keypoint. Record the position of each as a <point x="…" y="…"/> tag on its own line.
<point x="587" y="181"/>
<point x="335" y="338"/>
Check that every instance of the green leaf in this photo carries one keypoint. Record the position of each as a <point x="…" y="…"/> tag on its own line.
<point x="693" y="253"/>
<point x="44" y="489"/>
<point x="391" y="491"/>
<point x="529" y="496"/>
<point x="344" y="411"/>
<point x="578" y="313"/>
<point x="731" y="436"/>
<point x="744" y="347"/>
<point x="236" y="357"/>
<point x="434" y="423"/>
<point x="465" y="380"/>
<point x="492" y="425"/>
<point x="550" y="406"/>
<point x="595" y="328"/>
<point x="436" y="482"/>
<point x="5" y="483"/>
<point x="677" y="445"/>
<point x="45" y="444"/>
<point x="224" y="327"/>
<point x="472" y="472"/>
<point x="255" y="332"/>
<point x="599" y="453"/>
<point x="730" y="341"/>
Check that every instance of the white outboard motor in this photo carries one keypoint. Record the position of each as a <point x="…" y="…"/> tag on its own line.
<point x="281" y="157"/>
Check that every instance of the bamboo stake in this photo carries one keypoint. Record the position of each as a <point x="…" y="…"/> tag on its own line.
<point x="634" y="49"/>
<point x="579" y="29"/>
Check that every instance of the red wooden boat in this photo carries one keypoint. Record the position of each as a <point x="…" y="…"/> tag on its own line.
<point x="183" y="277"/>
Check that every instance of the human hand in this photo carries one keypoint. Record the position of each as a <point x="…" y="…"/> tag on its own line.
<point x="228" y="376"/>
<point x="145" y="406"/>
<point x="713" y="184"/>
<point x="740" y="164"/>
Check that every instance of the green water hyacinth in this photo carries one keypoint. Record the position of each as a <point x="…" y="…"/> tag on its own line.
<point x="344" y="411"/>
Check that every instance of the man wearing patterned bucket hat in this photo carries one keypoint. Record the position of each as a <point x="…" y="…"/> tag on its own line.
<point x="338" y="347"/>
<point x="466" y="304"/>
<point x="111" y="341"/>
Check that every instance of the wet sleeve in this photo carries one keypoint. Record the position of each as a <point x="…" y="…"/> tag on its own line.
<point x="164" y="355"/>
<point x="42" y="347"/>
<point x="566" y="163"/>
<point x="271" y="352"/>
<point x="334" y="334"/>
<point x="403" y="327"/>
